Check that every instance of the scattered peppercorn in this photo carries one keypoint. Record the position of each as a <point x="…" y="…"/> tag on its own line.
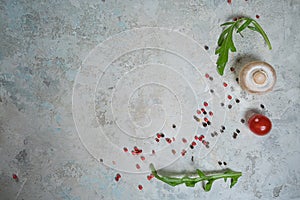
<point x="237" y="100"/>
<point x="234" y="135"/>
<point x="183" y="152"/>
<point x="222" y="104"/>
<point x="211" y="78"/>
<point x="174" y="126"/>
<point x="213" y="134"/>
<point x="242" y="120"/>
<point x="15" y="177"/>
<point x="206" y="47"/>
<point x="168" y="140"/>
<point x="149" y="177"/>
<point x="224" y="163"/>
<point x="140" y="187"/>
<point x="201" y="137"/>
<point x="204" y="124"/>
<point x="229" y="106"/>
<point x="211" y="91"/>
<point x="219" y="162"/>
<point x="196" y="118"/>
<point x="262" y="106"/>
<point x="237" y="130"/>
<point x="117" y="177"/>
<point x="223" y="127"/>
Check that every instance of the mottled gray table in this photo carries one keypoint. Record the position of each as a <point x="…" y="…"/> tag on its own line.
<point x="42" y="46"/>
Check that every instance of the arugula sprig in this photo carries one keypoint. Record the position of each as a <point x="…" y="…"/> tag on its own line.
<point x="206" y="179"/>
<point x="225" y="41"/>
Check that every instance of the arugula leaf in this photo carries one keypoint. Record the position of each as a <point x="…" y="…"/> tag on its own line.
<point x="200" y="173"/>
<point x="207" y="179"/>
<point x="227" y="23"/>
<point x="262" y="32"/>
<point x="252" y="28"/>
<point x="247" y="22"/>
<point x="208" y="185"/>
<point x="190" y="184"/>
<point x="221" y="38"/>
<point x="225" y="41"/>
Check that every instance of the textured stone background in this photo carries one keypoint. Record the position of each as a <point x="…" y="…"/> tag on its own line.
<point x="42" y="45"/>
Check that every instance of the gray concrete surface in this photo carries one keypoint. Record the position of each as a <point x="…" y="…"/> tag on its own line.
<point x="44" y="43"/>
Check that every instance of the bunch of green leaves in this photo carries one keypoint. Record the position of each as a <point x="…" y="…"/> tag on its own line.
<point x="207" y="180"/>
<point x="225" y="41"/>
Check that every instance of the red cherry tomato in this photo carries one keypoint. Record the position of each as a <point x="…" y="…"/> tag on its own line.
<point x="260" y="124"/>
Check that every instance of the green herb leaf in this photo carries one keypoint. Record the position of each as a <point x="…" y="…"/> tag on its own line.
<point x="262" y="32"/>
<point x="225" y="40"/>
<point x="233" y="182"/>
<point x="221" y="38"/>
<point x="247" y="22"/>
<point x="252" y="28"/>
<point x="190" y="182"/>
<point x="208" y="185"/>
<point x="200" y="173"/>
<point x="227" y="23"/>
